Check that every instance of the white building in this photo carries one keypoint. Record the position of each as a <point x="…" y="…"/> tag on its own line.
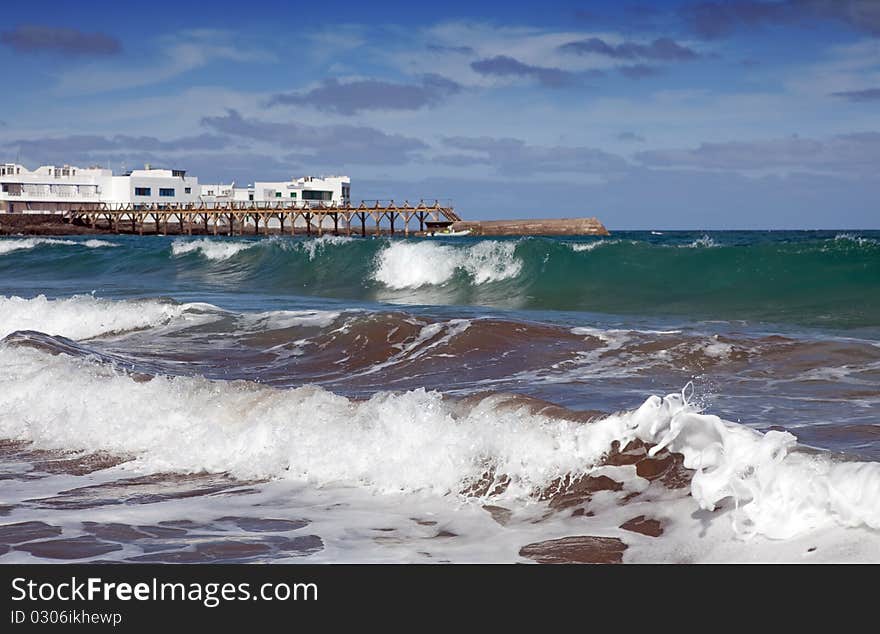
<point x="151" y="185"/>
<point x="307" y="190"/>
<point x="50" y="188"/>
<point x="219" y="193"/>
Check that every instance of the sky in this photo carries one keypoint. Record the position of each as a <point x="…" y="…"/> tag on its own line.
<point x="685" y="114"/>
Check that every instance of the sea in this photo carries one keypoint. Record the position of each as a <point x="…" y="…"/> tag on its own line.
<point x="649" y="396"/>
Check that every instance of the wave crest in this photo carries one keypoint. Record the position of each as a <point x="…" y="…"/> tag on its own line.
<point x="210" y="249"/>
<point x="86" y="316"/>
<point x="403" y="265"/>
<point x="25" y="244"/>
<point x="419" y="441"/>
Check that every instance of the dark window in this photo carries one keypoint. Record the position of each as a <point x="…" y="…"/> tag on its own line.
<point x="277" y="194"/>
<point x="293" y="194"/>
<point x="179" y="173"/>
<point x="142" y="191"/>
<point x="5" y="187"/>
<point x="187" y="190"/>
<point x="317" y="195"/>
<point x="250" y="196"/>
<point x="167" y="192"/>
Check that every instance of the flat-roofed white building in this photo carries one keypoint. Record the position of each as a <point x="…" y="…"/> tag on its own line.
<point x="218" y="192"/>
<point x="49" y="186"/>
<point x="151" y="185"/>
<point x="307" y="190"/>
<point x="243" y="194"/>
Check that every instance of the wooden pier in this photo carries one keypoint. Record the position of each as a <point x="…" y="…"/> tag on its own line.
<point x="231" y="218"/>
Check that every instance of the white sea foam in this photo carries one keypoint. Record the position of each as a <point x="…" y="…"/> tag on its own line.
<point x="316" y="246"/>
<point x="704" y="242"/>
<point x="856" y="239"/>
<point x="615" y="337"/>
<point x="23" y="244"/>
<point x="280" y="319"/>
<point x="589" y="246"/>
<point x="97" y="244"/>
<point x="612" y="338"/>
<point x="85" y="316"/>
<point x="430" y="336"/>
<point x="418" y="442"/>
<point x="716" y="348"/>
<point x="211" y="249"/>
<point x="411" y="265"/>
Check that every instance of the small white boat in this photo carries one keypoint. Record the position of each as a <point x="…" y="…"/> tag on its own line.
<point x="448" y="234"/>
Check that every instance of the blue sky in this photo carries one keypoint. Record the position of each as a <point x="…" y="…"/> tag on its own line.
<point x="678" y="114"/>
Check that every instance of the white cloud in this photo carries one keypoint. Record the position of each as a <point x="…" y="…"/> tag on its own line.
<point x="178" y="53"/>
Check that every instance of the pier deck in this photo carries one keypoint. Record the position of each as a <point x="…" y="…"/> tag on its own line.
<point x="230" y="218"/>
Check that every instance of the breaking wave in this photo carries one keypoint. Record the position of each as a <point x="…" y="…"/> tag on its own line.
<point x="412" y="265"/>
<point x="210" y="249"/>
<point x="8" y="245"/>
<point x="487" y="448"/>
<point x="826" y="282"/>
<point x="86" y="316"/>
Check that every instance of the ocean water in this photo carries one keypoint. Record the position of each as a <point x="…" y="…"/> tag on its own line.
<point x="643" y="397"/>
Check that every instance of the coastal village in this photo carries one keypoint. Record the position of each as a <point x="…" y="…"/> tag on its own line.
<point x="52" y="188"/>
<point x="159" y="200"/>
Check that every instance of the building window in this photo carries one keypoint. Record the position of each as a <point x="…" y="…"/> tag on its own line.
<point x="5" y="187"/>
<point x="142" y="191"/>
<point x="293" y="194"/>
<point x="178" y="173"/>
<point x="277" y="194"/>
<point x="167" y="192"/>
<point x="317" y="195"/>
<point x="187" y="190"/>
<point x="250" y="196"/>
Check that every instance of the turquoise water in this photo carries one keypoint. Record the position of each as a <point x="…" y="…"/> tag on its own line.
<point x="812" y="278"/>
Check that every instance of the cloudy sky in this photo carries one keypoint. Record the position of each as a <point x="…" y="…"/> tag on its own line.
<point x="678" y="114"/>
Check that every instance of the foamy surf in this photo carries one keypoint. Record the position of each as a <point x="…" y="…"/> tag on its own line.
<point x="704" y="242"/>
<point x="315" y="247"/>
<point x="403" y="265"/>
<point x="418" y="442"/>
<point x="856" y="239"/>
<point x="24" y="244"/>
<point x="300" y="419"/>
<point x="219" y="249"/>
<point x="86" y="316"/>
<point x="210" y="249"/>
<point x="579" y="247"/>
